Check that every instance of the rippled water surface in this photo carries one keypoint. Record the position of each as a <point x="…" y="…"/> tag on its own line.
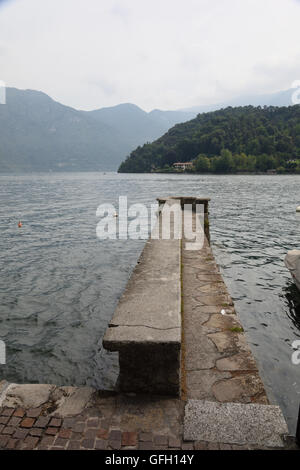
<point x="59" y="284"/>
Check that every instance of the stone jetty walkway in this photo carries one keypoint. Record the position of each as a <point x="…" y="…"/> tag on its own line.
<point x="223" y="403"/>
<point x="218" y="363"/>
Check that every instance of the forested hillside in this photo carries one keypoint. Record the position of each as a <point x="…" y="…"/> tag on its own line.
<point x="243" y="139"/>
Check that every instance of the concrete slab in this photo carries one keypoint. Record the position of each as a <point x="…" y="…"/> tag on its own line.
<point x="239" y="362"/>
<point x="225" y="341"/>
<point x="120" y="337"/>
<point x="199" y="383"/>
<point x="64" y="401"/>
<point x="74" y="402"/>
<point x="27" y="395"/>
<point x="212" y="300"/>
<point x="152" y="296"/>
<point x="4" y="387"/>
<point x="146" y="326"/>
<point x="149" y="311"/>
<point x="244" y="389"/>
<point x="152" y="299"/>
<point x="223" y="322"/>
<point x="234" y="423"/>
<point x="200" y="352"/>
<point x="214" y="288"/>
<point x="195" y="320"/>
<point x="218" y="362"/>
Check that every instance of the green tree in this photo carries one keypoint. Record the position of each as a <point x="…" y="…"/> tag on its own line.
<point x="251" y="163"/>
<point x="202" y="164"/>
<point x="240" y="162"/>
<point x="265" y="162"/>
<point x="233" y="139"/>
<point x="225" y="163"/>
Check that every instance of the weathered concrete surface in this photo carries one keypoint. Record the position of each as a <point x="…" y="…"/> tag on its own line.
<point x="117" y="338"/>
<point x="245" y="388"/>
<point x="200" y="383"/>
<point x="58" y="401"/>
<point x="152" y="295"/>
<point x="72" y="401"/>
<point x="4" y="385"/>
<point x="27" y="395"/>
<point x="146" y="326"/>
<point x="218" y="363"/>
<point x="234" y="423"/>
<point x="227" y="403"/>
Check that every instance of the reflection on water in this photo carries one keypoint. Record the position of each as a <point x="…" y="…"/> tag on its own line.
<point x="292" y="296"/>
<point x="59" y="284"/>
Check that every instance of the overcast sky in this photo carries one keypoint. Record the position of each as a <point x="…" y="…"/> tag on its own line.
<point x="165" y="54"/>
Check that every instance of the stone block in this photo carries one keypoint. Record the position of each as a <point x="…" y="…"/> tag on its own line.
<point x="234" y="423"/>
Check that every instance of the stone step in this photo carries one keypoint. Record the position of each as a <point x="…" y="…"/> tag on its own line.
<point x="234" y="423"/>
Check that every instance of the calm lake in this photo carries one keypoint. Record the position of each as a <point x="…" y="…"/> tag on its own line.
<point x="59" y="284"/>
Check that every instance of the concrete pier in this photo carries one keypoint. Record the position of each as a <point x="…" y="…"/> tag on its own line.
<point x="146" y="326"/>
<point x="188" y="379"/>
<point x="226" y="401"/>
<point x="217" y="370"/>
<point x="218" y="361"/>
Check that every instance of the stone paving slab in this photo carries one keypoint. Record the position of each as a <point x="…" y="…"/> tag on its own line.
<point x="120" y="337"/>
<point x="234" y="423"/>
<point x="218" y="364"/>
<point x="152" y="296"/>
<point x="109" y="422"/>
<point x="27" y="395"/>
<point x="64" y="401"/>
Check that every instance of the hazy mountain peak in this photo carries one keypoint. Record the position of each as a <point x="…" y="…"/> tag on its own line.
<point x="37" y="133"/>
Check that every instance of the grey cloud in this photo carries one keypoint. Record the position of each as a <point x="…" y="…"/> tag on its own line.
<point x="158" y="54"/>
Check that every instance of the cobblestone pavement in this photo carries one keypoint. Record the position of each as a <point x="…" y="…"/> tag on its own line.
<point x="113" y="423"/>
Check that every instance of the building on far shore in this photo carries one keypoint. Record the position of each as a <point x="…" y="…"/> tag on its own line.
<point x="183" y="166"/>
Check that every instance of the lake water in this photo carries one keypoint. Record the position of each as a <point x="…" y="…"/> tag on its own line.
<point x="59" y="284"/>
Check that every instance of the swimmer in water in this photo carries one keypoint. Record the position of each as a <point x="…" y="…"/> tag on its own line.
<point x="20" y="224"/>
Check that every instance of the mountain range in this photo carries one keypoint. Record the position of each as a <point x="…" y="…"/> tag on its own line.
<point x="40" y="134"/>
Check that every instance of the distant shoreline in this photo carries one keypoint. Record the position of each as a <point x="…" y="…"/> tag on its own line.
<point x="207" y="174"/>
<point x="103" y="172"/>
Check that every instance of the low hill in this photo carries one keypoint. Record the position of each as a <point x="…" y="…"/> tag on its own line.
<point x="270" y="136"/>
